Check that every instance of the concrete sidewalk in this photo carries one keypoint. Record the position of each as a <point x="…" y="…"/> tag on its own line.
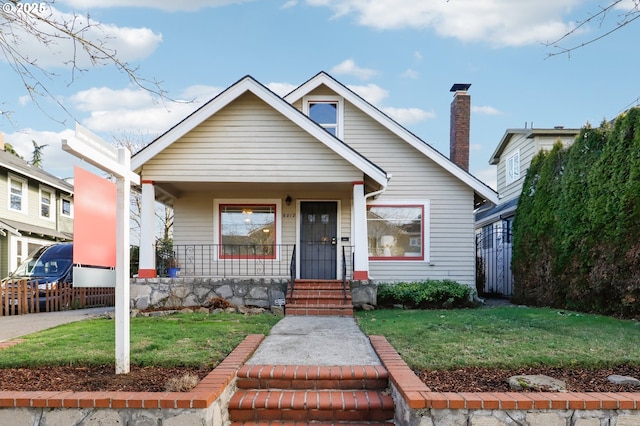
<point x="315" y="340"/>
<point x="19" y="325"/>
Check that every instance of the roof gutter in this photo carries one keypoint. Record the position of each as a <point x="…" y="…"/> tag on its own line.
<point x="380" y="191"/>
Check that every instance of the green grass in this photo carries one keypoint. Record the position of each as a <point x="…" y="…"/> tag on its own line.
<point x="190" y="340"/>
<point x="505" y="337"/>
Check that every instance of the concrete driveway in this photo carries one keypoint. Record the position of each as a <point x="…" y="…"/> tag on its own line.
<point x="19" y="325"/>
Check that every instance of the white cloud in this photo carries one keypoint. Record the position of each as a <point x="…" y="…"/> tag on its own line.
<point x="24" y="100"/>
<point x="486" y="110"/>
<point x="375" y="95"/>
<point x="497" y="22"/>
<point x="281" y="89"/>
<point x="411" y="73"/>
<point x="349" y="67"/>
<point x="417" y="56"/>
<point x="55" y="160"/>
<point x="129" y="43"/>
<point x="290" y="3"/>
<point x="406" y="116"/>
<point x="200" y="93"/>
<point x="168" y="5"/>
<point x="372" y="93"/>
<point x="489" y="176"/>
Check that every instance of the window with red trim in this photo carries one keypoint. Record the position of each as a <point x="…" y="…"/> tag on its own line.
<point x="395" y="232"/>
<point x="247" y="230"/>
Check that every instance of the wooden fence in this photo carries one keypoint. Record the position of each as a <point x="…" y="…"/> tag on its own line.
<point x="24" y="297"/>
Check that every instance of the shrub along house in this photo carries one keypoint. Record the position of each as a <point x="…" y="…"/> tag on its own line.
<point x="316" y="185"/>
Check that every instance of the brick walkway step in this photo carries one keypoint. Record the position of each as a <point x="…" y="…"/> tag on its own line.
<point x="304" y="423"/>
<point x="310" y="405"/>
<point x="312" y="377"/>
<point x="318" y="310"/>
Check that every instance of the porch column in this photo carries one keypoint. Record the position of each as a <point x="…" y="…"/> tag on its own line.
<point x="147" y="265"/>
<point x="360" y="250"/>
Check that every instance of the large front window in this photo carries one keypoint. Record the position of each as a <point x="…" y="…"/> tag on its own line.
<point x="247" y="230"/>
<point x="396" y="232"/>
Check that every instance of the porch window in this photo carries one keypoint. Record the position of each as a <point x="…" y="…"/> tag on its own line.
<point x="247" y="230"/>
<point x="396" y="232"/>
<point x="326" y="111"/>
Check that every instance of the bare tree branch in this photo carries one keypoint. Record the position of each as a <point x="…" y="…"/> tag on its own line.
<point x="41" y="22"/>
<point x="625" y="18"/>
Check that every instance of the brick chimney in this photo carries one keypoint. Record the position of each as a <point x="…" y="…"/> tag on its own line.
<point x="460" y="123"/>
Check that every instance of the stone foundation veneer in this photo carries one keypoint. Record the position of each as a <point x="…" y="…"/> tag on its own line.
<point x="194" y="291"/>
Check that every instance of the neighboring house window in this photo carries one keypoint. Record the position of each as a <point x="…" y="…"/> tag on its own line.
<point x="66" y="208"/>
<point x="46" y="201"/>
<point x="513" y="168"/>
<point x="396" y="232"/>
<point x="326" y="111"/>
<point x="17" y="194"/>
<point x="247" y="230"/>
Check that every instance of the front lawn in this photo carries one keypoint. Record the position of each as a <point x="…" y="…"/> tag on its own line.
<point x="505" y="337"/>
<point x="180" y="340"/>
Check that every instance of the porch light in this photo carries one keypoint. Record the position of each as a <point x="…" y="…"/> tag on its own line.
<point x="288" y="200"/>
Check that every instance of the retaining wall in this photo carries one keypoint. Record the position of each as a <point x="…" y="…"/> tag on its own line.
<point x="417" y="406"/>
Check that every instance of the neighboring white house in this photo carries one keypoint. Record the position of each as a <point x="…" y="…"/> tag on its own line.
<point x="259" y="183"/>
<point x="36" y="209"/>
<point x="494" y="225"/>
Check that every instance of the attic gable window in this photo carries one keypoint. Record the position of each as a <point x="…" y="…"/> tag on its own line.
<point x="327" y="111"/>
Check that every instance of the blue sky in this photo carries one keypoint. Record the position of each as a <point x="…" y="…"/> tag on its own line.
<point x="401" y="55"/>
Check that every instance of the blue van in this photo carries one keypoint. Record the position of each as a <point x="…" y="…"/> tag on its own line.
<point x="49" y="264"/>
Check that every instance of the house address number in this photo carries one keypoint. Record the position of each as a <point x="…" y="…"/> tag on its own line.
<point x="288" y="215"/>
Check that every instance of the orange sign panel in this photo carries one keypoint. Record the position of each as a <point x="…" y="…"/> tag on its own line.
<point x="95" y="220"/>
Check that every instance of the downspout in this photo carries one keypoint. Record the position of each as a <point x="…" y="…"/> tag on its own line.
<point x="380" y="191"/>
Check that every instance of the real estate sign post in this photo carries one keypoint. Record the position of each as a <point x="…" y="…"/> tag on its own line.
<point x="117" y="162"/>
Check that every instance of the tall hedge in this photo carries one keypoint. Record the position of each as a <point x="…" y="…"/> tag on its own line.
<point x="577" y="226"/>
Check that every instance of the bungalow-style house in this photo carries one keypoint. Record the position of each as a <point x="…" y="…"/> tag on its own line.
<point x="513" y="157"/>
<point x="318" y="184"/>
<point x="36" y="210"/>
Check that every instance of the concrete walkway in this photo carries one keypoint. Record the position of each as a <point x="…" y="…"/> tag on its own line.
<point x="19" y="325"/>
<point x="315" y="340"/>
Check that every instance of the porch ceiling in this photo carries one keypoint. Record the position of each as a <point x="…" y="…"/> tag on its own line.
<point x="166" y="192"/>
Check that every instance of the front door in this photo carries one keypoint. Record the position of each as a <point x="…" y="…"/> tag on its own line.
<point x="318" y="233"/>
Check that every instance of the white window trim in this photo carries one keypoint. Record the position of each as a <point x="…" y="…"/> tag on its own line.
<point x="426" y="223"/>
<point x="216" y="218"/>
<point x="70" y="215"/>
<point x="52" y="203"/>
<point x="306" y="100"/>
<point x="508" y="166"/>
<point x="25" y="194"/>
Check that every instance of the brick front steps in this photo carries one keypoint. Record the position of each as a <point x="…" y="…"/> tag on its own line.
<point x="341" y="395"/>
<point x="318" y="297"/>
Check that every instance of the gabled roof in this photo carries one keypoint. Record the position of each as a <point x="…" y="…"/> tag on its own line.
<point x="528" y="133"/>
<point x="323" y="78"/>
<point x="249" y="84"/>
<point x="20" y="167"/>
